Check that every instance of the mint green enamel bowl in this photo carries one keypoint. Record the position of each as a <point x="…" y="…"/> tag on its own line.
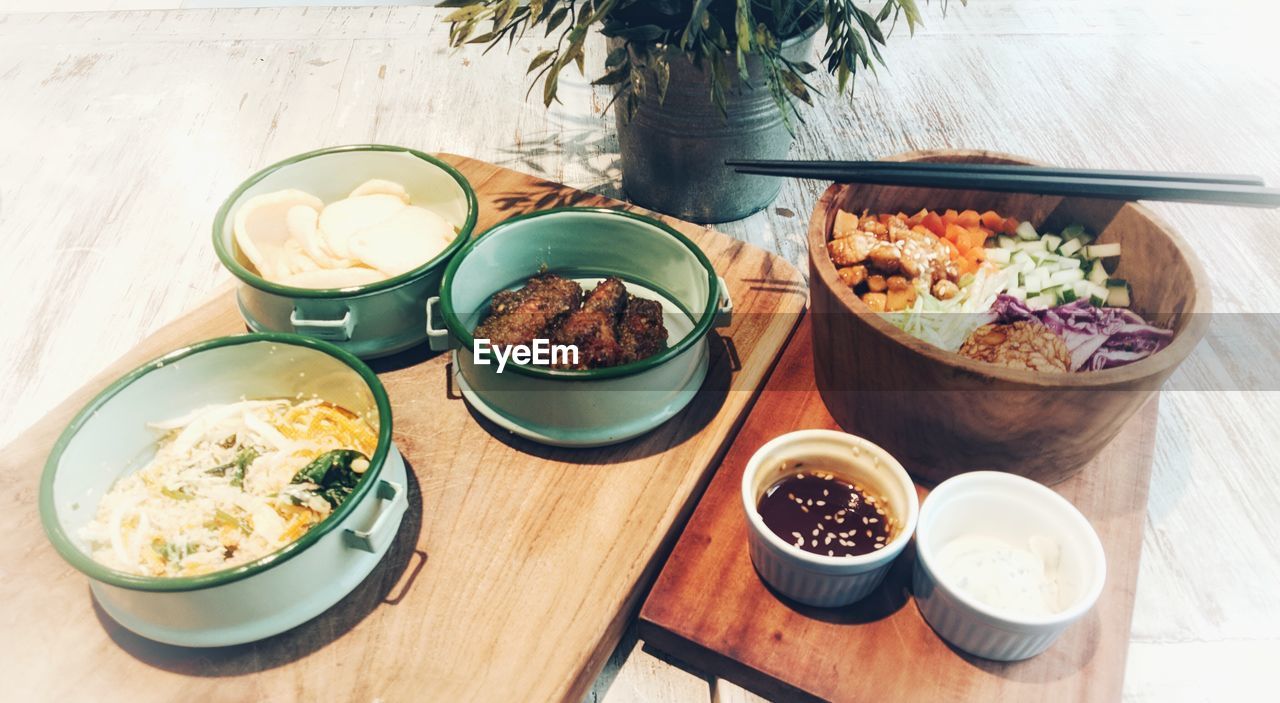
<point x="109" y="438"/>
<point x="599" y="406"/>
<point x="369" y="321"/>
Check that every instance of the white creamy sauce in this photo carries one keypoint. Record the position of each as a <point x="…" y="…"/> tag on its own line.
<point x="1020" y="579"/>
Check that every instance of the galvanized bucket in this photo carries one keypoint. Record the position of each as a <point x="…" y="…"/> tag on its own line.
<point x="673" y="152"/>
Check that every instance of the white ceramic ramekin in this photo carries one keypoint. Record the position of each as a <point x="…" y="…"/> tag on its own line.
<point x="1008" y="507"/>
<point x="815" y="579"/>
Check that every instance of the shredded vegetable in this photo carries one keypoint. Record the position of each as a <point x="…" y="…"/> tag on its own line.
<point x="229" y="484"/>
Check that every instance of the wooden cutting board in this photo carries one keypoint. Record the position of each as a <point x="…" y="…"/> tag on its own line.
<point x="710" y="609"/>
<point x="517" y="566"/>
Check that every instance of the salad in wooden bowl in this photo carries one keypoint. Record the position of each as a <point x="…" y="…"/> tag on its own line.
<point x="971" y="330"/>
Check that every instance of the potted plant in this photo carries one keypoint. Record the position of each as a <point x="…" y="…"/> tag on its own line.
<point x="695" y="81"/>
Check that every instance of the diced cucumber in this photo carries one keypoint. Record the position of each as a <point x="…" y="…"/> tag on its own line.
<point x="1019" y="293"/>
<point x="1054" y="292"/>
<point x="1098" y="294"/>
<point x="1034" y="282"/>
<point x="1076" y="232"/>
<point x="1040" y="302"/>
<point x="1068" y="262"/>
<point x="1026" y="232"/>
<point x="1068" y="294"/>
<point x="1070" y="247"/>
<point x="1066" y="276"/>
<point x="999" y="256"/>
<point x="1118" y="293"/>
<point x="1051" y="241"/>
<point x="1102" y="251"/>
<point x="1098" y="273"/>
<point x="1035" y="245"/>
<point x="1006" y="242"/>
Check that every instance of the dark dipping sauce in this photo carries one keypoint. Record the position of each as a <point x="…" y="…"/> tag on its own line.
<point x="820" y="512"/>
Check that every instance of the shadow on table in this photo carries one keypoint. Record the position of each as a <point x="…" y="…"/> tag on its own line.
<point x="1057" y="663"/>
<point x="574" y="146"/>
<point x="402" y="563"/>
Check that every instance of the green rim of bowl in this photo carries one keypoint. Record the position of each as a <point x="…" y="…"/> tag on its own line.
<point x="699" y="330"/>
<point x="237" y="269"/>
<point x="77" y="558"/>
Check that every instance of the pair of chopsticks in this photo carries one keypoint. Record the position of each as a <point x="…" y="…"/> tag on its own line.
<point x="1215" y="189"/>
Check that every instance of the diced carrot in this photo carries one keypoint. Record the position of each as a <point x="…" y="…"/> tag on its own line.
<point x="1011" y="225"/>
<point x="964" y="240"/>
<point x="977" y="236"/>
<point x="917" y="218"/>
<point x="934" y="224"/>
<point x="976" y="255"/>
<point x="954" y="232"/>
<point x="964" y="265"/>
<point x="992" y="220"/>
<point x="921" y="229"/>
<point x="955" y="252"/>
<point x="950" y="216"/>
<point x="969" y="218"/>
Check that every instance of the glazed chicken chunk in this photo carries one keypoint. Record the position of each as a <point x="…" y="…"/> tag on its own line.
<point x="521" y="316"/>
<point x="591" y="327"/>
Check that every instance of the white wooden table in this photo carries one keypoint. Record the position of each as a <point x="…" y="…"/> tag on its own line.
<point x="121" y="132"/>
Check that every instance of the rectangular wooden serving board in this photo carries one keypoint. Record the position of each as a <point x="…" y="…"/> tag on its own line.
<point x="517" y="567"/>
<point x="710" y="609"/>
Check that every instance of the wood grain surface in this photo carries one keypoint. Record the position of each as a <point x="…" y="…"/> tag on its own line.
<point x="511" y="552"/>
<point x="123" y="131"/>
<point x="710" y="608"/>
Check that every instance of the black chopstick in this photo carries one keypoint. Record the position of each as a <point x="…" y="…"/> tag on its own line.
<point x="1013" y="170"/>
<point x="976" y="177"/>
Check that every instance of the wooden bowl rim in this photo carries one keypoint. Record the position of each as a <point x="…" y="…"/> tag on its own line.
<point x="1156" y="364"/>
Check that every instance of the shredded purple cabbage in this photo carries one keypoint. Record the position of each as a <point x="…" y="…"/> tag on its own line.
<point x="1099" y="338"/>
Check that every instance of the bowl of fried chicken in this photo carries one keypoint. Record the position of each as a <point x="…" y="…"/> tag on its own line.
<point x="578" y="326"/>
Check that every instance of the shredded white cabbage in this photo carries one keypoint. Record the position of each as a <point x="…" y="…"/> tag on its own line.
<point x="947" y="323"/>
<point x="219" y="489"/>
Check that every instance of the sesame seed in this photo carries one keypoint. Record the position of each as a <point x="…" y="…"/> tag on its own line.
<point x="878" y="546"/>
<point x="875" y="519"/>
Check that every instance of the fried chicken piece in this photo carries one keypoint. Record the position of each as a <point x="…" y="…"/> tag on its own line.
<point x="592" y="328"/>
<point x="1025" y="344"/>
<point x="520" y="316"/>
<point x="851" y="250"/>
<point x="852" y="275"/>
<point x="641" y="332"/>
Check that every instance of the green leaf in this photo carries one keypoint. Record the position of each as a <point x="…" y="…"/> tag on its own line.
<point x="662" y="72"/>
<point x="333" y="474"/>
<point x="540" y="59"/>
<point x="613" y="77"/>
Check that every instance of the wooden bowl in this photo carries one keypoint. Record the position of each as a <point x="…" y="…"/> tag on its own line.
<point x="943" y="414"/>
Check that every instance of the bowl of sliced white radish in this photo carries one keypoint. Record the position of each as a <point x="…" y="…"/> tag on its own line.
<point x="345" y="244"/>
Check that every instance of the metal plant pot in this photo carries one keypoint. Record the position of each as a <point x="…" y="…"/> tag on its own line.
<point x="673" y="152"/>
